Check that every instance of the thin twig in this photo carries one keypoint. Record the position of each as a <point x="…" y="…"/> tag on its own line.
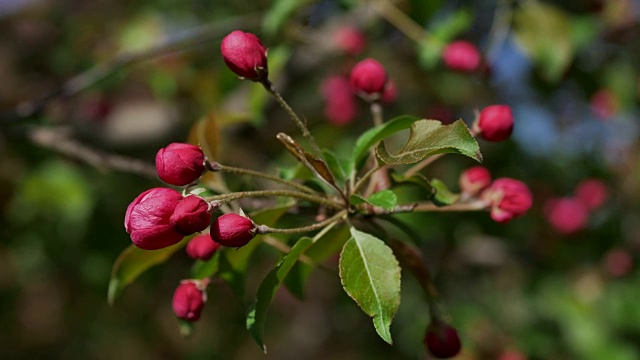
<point x="237" y="170"/>
<point x="60" y="140"/>
<point x="279" y="245"/>
<point x="475" y="205"/>
<point x="400" y="20"/>
<point x="421" y="165"/>
<point x="264" y="229"/>
<point x="268" y="85"/>
<point x="225" y="198"/>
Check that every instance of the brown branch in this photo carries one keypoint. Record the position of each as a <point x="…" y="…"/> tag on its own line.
<point x="61" y="141"/>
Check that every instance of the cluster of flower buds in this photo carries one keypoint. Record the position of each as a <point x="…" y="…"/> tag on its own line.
<point x="569" y="215"/>
<point x="442" y="340"/>
<point x="506" y="198"/>
<point x="161" y="217"/>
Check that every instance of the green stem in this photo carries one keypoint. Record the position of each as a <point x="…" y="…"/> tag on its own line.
<point x="264" y="229"/>
<point x="365" y="177"/>
<point x="236" y="170"/>
<point x="225" y="198"/>
<point x="376" y="113"/>
<point x="421" y="165"/>
<point x="268" y="85"/>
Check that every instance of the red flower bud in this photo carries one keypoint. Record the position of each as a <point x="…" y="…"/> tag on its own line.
<point x="592" y="193"/>
<point x="495" y="123"/>
<point x="232" y="230"/>
<point x="512" y="355"/>
<point x="245" y="55"/>
<point x="442" y="340"/>
<point x="474" y="179"/>
<point x="566" y="215"/>
<point x="180" y="164"/>
<point x="202" y="247"/>
<point x="341" y="104"/>
<point x="192" y="214"/>
<point x="350" y="40"/>
<point x="189" y="299"/>
<point x="368" y="77"/>
<point x="461" y="56"/>
<point x="147" y="219"/>
<point x="507" y="198"/>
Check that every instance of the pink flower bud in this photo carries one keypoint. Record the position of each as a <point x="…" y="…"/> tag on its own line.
<point x="390" y="92"/>
<point x="618" y="262"/>
<point x="567" y="215"/>
<point x="442" y="340"/>
<point x="592" y="193"/>
<point x="495" y="123"/>
<point x="232" y="230"/>
<point x="341" y="104"/>
<point x="604" y="104"/>
<point x="147" y="219"/>
<point x="192" y="214"/>
<point x="350" y="40"/>
<point x="245" y="55"/>
<point x="180" y="164"/>
<point x="189" y="299"/>
<point x="461" y="56"/>
<point x="368" y="77"/>
<point x="507" y="198"/>
<point x="202" y="247"/>
<point x="474" y="179"/>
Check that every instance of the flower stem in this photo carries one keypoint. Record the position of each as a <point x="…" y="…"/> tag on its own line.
<point x="376" y="113"/>
<point x="225" y="198"/>
<point x="421" y="165"/>
<point x="264" y="229"/>
<point x="475" y="205"/>
<point x="268" y="85"/>
<point x="237" y="170"/>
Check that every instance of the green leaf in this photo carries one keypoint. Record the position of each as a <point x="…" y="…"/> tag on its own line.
<point x="279" y="12"/>
<point x="417" y="179"/>
<point x="385" y="199"/>
<point x="430" y="137"/>
<point x="545" y="34"/>
<point x="133" y="262"/>
<point x="370" y="275"/>
<point x="204" y="269"/>
<point x="443" y="195"/>
<point x="372" y="136"/>
<point x="267" y="290"/>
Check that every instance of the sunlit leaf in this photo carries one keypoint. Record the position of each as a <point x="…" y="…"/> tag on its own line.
<point x="544" y="32"/>
<point x="267" y="290"/>
<point x="372" y="136"/>
<point x="133" y="262"/>
<point x="370" y="274"/>
<point x="443" y="196"/>
<point x="430" y="137"/>
<point x="385" y="199"/>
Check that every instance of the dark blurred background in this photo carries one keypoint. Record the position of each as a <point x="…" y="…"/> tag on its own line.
<point x="90" y="90"/>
